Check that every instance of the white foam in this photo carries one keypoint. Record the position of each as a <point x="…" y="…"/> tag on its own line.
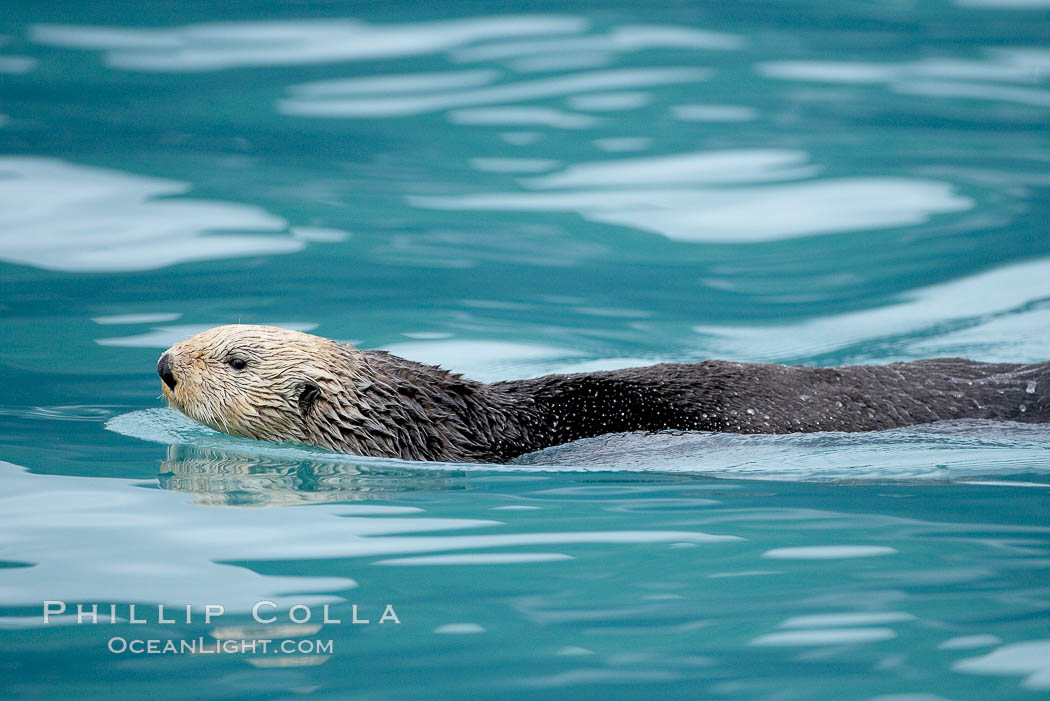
<point x="831" y="636"/>
<point x="224" y="45"/>
<point x="61" y="216"/>
<point x="828" y="552"/>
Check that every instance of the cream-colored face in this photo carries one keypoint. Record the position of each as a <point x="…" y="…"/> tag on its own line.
<point x="253" y="381"/>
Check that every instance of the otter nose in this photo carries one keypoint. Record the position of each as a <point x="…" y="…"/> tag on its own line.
<point x="164" y="370"/>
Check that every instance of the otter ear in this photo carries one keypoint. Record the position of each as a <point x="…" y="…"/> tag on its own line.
<point x="308" y="394"/>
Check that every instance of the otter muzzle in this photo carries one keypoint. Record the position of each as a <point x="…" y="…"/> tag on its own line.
<point x="165" y="372"/>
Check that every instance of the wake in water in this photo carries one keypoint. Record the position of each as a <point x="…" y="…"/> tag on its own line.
<point x="949" y="451"/>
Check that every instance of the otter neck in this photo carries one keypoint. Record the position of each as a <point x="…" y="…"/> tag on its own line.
<point x="421" y="412"/>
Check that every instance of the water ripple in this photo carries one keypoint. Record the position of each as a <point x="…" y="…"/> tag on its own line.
<point x="1001" y="321"/>
<point x="945" y="451"/>
<point x="653" y="194"/>
<point x="398" y="105"/>
<point x="619" y="39"/>
<point x="110" y="540"/>
<point x="1028" y="659"/>
<point x="224" y="45"/>
<point x="60" y="216"/>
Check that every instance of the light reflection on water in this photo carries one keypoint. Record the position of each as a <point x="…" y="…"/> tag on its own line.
<point x="217" y="46"/>
<point x="65" y="217"/>
<point x="169" y="551"/>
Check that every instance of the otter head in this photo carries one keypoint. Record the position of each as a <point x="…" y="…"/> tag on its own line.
<point x="258" y="382"/>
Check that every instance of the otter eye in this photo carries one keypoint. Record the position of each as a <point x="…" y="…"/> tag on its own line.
<point x="237" y="363"/>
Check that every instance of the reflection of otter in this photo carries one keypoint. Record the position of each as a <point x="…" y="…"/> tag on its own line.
<point x="219" y="477"/>
<point x="278" y="385"/>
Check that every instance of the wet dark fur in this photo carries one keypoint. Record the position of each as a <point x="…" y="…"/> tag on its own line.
<point x="420" y="412"/>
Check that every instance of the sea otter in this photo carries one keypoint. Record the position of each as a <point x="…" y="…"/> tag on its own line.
<point x="274" y="384"/>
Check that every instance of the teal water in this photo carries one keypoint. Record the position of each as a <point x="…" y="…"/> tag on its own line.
<point x="511" y="192"/>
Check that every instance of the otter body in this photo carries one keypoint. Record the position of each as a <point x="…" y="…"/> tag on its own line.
<point x="279" y="385"/>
